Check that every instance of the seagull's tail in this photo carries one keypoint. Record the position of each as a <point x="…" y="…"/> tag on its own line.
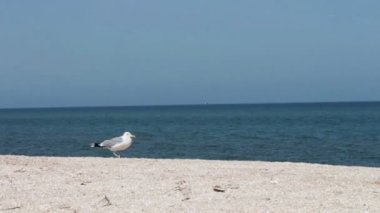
<point x="95" y="145"/>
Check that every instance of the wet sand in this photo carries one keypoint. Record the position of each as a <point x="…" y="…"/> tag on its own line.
<point x="57" y="184"/>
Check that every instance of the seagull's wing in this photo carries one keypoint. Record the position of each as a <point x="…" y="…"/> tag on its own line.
<point x="111" y="142"/>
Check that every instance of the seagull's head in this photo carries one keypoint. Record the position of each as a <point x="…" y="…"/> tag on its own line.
<point x="128" y="134"/>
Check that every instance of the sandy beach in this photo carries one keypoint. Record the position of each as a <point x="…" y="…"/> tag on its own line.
<point x="56" y="184"/>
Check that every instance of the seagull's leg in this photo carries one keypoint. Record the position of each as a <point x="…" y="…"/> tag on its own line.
<point x="116" y="155"/>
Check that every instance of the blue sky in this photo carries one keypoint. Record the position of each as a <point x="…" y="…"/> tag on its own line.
<point x="104" y="53"/>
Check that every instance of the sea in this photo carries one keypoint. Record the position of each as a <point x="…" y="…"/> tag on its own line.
<point x="325" y="133"/>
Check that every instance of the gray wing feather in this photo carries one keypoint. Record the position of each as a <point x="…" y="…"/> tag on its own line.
<point x="111" y="142"/>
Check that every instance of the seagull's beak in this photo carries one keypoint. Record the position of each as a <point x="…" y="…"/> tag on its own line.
<point x="132" y="136"/>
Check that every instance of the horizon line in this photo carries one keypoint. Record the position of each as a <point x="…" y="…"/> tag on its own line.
<point x="199" y="104"/>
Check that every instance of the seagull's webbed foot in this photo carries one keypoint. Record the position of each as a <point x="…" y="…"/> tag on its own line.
<point x="116" y="155"/>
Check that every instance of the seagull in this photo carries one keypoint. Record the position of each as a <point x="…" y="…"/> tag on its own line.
<point x="116" y="144"/>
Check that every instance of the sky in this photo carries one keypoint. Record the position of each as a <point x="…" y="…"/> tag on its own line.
<point x="121" y="52"/>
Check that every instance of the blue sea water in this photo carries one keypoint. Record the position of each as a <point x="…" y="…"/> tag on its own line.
<point x="328" y="133"/>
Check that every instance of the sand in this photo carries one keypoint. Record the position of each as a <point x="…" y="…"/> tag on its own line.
<point x="55" y="184"/>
